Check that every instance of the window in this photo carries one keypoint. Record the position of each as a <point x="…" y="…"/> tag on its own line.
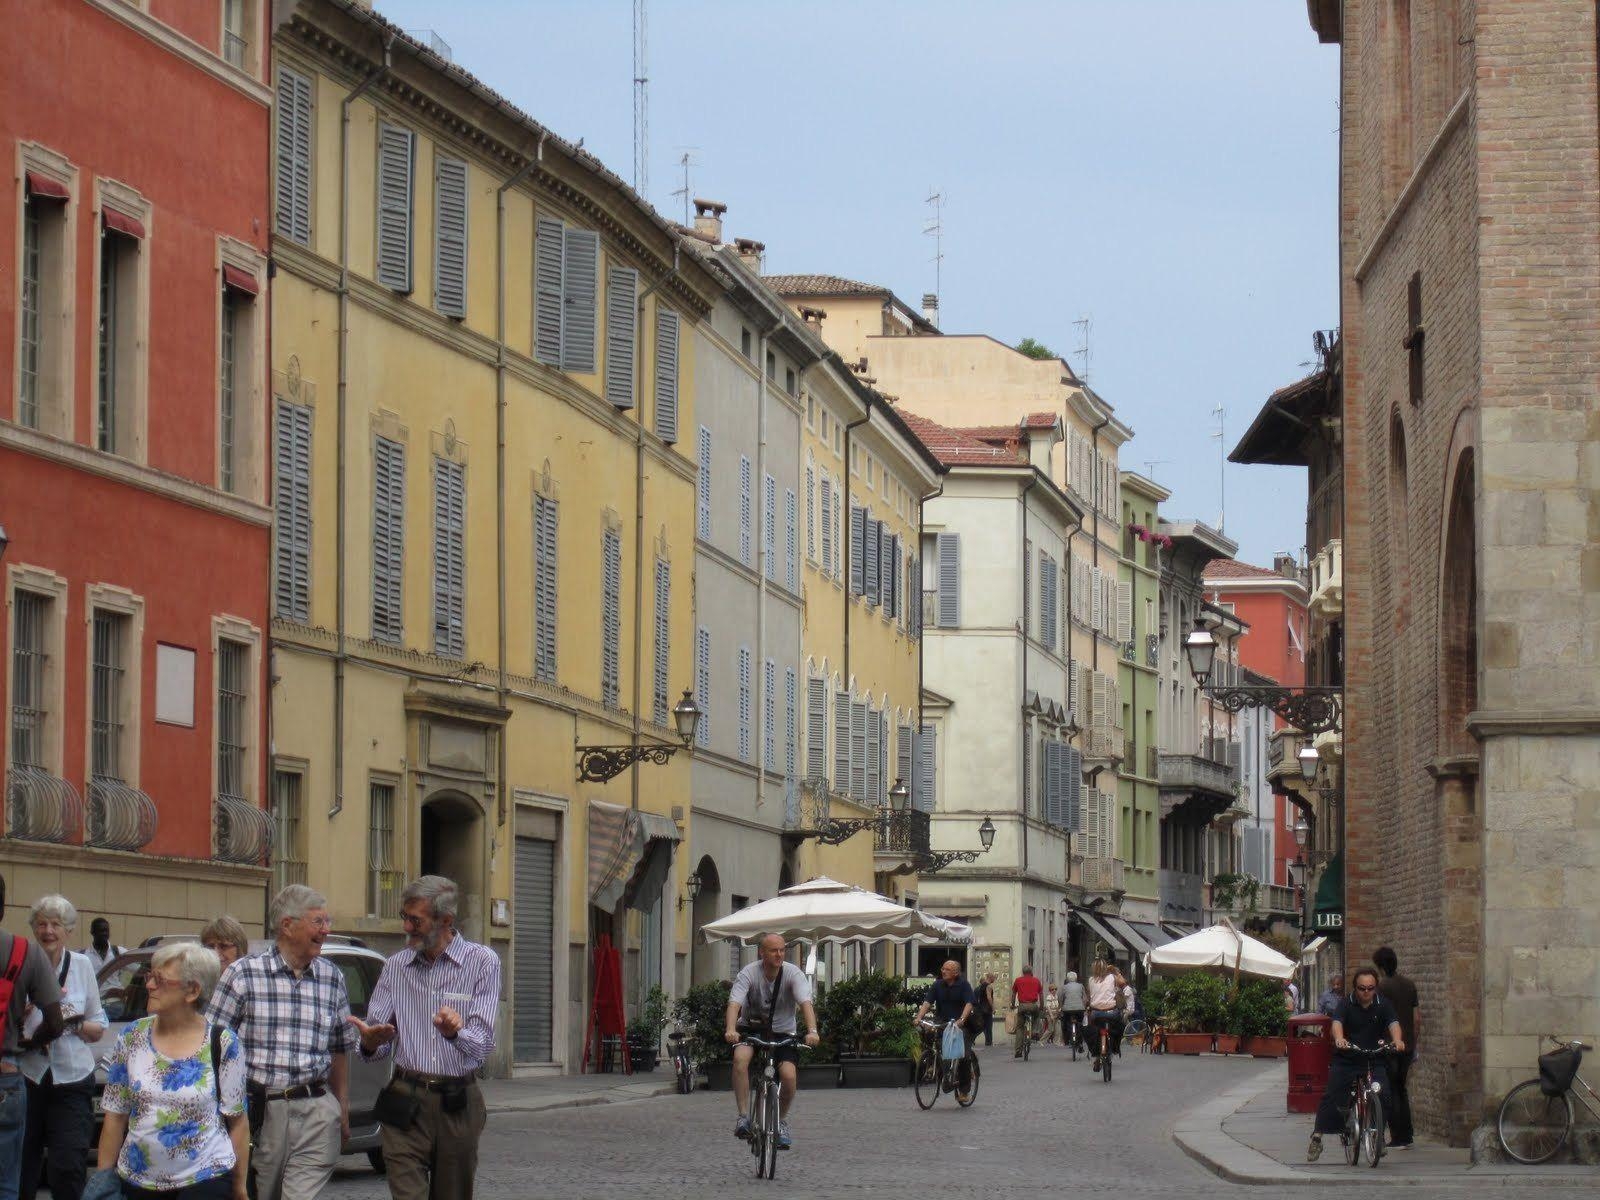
<point x="610" y="617"/>
<point x="744" y="344"/>
<point x="546" y="524"/>
<point x="769" y="527"/>
<point x="289" y="829"/>
<point x="450" y="236"/>
<point x="233" y="725"/>
<point x="790" y="384"/>
<point x="660" y="689"/>
<point x="566" y="288"/>
<point x="226" y="464"/>
<point x="790" y="689"/>
<point x="396" y="151"/>
<point x="236" y="33"/>
<point x="449" y="558"/>
<point x="622" y="290"/>
<point x="388" y="539"/>
<point x="666" y="375"/>
<point x="791" y="540"/>
<point x="827" y="525"/>
<point x="744" y="702"/>
<point x="948" y="580"/>
<point x="292" y="504"/>
<point x="31" y="668"/>
<point x="292" y="187"/>
<point x="702" y="683"/>
<point x="703" y="487"/>
<point x="240" y="333"/>
<point x="44" y="361"/>
<point x="119" y="359"/>
<point x="816" y="729"/>
<point x="383" y="863"/>
<point x="772" y="365"/>
<point x="811" y="514"/>
<point x="744" y="510"/>
<point x="769" y="715"/>
<point x="109" y="703"/>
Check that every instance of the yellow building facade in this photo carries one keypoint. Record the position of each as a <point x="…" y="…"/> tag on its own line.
<point x="485" y="525"/>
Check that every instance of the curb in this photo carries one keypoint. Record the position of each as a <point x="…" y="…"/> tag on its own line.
<point x="1200" y="1135"/>
<point x="627" y="1094"/>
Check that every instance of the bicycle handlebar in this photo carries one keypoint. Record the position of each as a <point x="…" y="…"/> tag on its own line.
<point x="751" y="1039"/>
<point x="1357" y="1052"/>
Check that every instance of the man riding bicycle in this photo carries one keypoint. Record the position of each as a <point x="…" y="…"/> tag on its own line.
<point x="952" y="998"/>
<point x="1074" y="1000"/>
<point x="1363" y="1020"/>
<point x="1027" y="991"/>
<point x="766" y="996"/>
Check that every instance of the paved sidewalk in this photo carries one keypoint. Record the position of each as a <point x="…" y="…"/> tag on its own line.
<point x="541" y="1092"/>
<point x="1245" y="1136"/>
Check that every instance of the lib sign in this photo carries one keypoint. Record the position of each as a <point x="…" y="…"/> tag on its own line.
<point x="1325" y="922"/>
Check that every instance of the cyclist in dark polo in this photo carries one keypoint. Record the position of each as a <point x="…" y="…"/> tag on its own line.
<point x="952" y="999"/>
<point x="1363" y="1020"/>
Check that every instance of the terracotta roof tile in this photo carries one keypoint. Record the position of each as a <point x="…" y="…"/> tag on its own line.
<point x="1231" y="568"/>
<point x="958" y="447"/>
<point x="821" y="285"/>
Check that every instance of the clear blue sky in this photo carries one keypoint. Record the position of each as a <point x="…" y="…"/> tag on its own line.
<point x="1165" y="167"/>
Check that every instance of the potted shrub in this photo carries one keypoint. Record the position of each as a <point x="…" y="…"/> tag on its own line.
<point x="865" y="1017"/>
<point x="1192" y="1007"/>
<point x="700" y="1011"/>
<point x="644" y="1031"/>
<point x="1262" y="1018"/>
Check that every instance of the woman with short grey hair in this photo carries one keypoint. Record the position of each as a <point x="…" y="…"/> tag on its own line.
<point x="227" y="937"/>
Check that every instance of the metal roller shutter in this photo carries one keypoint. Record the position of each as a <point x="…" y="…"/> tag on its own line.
<point x="533" y="943"/>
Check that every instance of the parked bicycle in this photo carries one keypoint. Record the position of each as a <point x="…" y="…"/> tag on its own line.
<point x="937" y="1074"/>
<point x="1363" y="1122"/>
<point x="1536" y="1117"/>
<point x="766" y="1114"/>
<point x="682" y="1061"/>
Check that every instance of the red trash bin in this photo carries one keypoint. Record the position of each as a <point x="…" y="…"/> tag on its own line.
<point x="1310" y="1053"/>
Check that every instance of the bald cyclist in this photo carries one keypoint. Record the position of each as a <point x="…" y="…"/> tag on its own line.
<point x="766" y="997"/>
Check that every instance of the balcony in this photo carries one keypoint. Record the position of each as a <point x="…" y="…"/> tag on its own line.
<point x="1101" y="874"/>
<point x="1283" y="762"/>
<point x="1327" y="581"/>
<point x="901" y="833"/>
<point x="119" y="817"/>
<point x="1182" y="896"/>
<point x="1276" y="899"/>
<point x="1194" y="773"/>
<point x="1101" y="743"/>
<point x="243" y="831"/>
<point x="40" y="807"/>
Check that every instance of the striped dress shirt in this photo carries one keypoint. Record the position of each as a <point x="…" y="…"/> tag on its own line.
<point x="411" y="990"/>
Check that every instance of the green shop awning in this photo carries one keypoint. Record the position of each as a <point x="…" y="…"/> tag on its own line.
<point x="1328" y="908"/>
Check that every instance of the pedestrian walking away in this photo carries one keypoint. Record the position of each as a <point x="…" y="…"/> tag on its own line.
<point x="25" y="980"/>
<point x="1401" y="994"/>
<point x="1026" y="993"/>
<point x="434" y="1009"/>
<point x="1074" y="1000"/>
<point x="984" y="1010"/>
<point x="291" y="1011"/>
<point x="766" y="998"/>
<point x="61" y="1075"/>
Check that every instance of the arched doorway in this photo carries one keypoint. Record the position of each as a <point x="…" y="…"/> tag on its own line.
<point x="705" y="959"/>
<point x="451" y="845"/>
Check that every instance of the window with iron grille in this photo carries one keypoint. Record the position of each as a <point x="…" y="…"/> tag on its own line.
<point x="383" y="866"/>
<point x="288" y="839"/>
<point x="109" y="671"/>
<point x="233" y="706"/>
<point x="29" y="664"/>
<point x="225" y="416"/>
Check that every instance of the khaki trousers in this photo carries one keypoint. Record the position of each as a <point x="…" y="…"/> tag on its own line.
<point x="437" y="1158"/>
<point x="295" y="1151"/>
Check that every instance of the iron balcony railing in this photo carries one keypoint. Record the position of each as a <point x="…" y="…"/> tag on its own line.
<point x="902" y="831"/>
<point x="41" y="807"/>
<point x="243" y="831"/>
<point x="119" y="817"/>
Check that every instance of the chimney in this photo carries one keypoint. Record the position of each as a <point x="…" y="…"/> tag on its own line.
<point x="1285" y="565"/>
<point x="930" y="308"/>
<point x="813" y="317"/>
<point x="750" y="252"/>
<point x="708" y="219"/>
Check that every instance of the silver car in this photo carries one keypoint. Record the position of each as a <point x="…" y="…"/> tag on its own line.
<point x="122" y="992"/>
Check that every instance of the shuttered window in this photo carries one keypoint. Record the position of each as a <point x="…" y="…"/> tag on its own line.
<point x="548" y="277"/>
<point x="579" y="296"/>
<point x="827" y="526"/>
<point x="870" y="559"/>
<point x="703" y="487"/>
<point x="888" y="572"/>
<point x="292" y="502"/>
<point x="293" y="183"/>
<point x="858" y="750"/>
<point x="1074" y="788"/>
<point x="1124" y="612"/>
<point x="914" y="597"/>
<point x="858" y="541"/>
<point x="396" y="150"/>
<point x="622" y="298"/>
<point x="769" y="715"/>
<point x="610" y="616"/>
<point x="841" y="742"/>
<point x="873" y="791"/>
<point x="744" y="702"/>
<point x="791" y="540"/>
<point x="1097" y="600"/>
<point x="1049" y="615"/>
<point x="702" y="683"/>
<point x="388" y="538"/>
<point x="924" y="788"/>
<point x="1027" y="588"/>
<point x="667" y="328"/>
<point x="949" y="580"/>
<point x="546" y="528"/>
<point x="769" y="527"/>
<point x="902" y="755"/>
<point x="449" y="558"/>
<point x="811" y="515"/>
<point x="817" y="729"/>
<point x="658" y="684"/>
<point x="450" y="237"/>
<point x="744" y="510"/>
<point x="790" y="738"/>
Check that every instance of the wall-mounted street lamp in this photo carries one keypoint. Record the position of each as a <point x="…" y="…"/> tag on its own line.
<point x="600" y="764"/>
<point x="691" y="889"/>
<point x="898" y="825"/>
<point x="1308" y="709"/>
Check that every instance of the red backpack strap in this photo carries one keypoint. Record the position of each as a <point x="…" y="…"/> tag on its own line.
<point x="19" y="955"/>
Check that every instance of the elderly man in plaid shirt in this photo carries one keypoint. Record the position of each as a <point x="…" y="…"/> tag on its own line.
<point x="291" y="1012"/>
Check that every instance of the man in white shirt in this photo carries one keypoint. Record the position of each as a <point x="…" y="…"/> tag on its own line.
<point x="101" y="949"/>
<point x="765" y="999"/>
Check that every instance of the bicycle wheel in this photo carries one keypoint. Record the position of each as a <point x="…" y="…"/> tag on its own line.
<point x="929" y="1076"/>
<point x="1351" y="1137"/>
<point x="1027" y="1040"/>
<point x="965" y="1098"/>
<point x="1077" y="1036"/>
<point x="1105" y="1066"/>
<point x="1135" y="1032"/>
<point x="1533" y="1126"/>
<point x="1372" y="1134"/>
<point x="774" y="1123"/>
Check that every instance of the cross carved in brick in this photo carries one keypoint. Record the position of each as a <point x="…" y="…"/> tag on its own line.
<point x="1415" y="333"/>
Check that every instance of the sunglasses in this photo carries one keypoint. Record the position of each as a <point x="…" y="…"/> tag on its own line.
<point x="1365" y="987"/>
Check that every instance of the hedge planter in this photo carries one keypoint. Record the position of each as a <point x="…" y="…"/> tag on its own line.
<point x="873" y="1071"/>
<point x="719" y="1076"/>
<point x="1268" y="1047"/>
<point x="1188" y="1043"/>
<point x="1228" y="1043"/>
<point x="818" y="1075"/>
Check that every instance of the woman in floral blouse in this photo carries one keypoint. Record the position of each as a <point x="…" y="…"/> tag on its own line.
<point x="172" y="1126"/>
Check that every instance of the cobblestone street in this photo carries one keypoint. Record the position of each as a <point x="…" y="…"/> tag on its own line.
<point x="1044" y="1126"/>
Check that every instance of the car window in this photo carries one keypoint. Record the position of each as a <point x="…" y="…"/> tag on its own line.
<point x="130" y="1001"/>
<point x="357" y="981"/>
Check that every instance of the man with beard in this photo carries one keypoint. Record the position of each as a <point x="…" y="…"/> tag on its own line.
<point x="434" y="1009"/>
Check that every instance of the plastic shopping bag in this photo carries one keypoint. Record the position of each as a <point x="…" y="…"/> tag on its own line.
<point x="954" y="1045"/>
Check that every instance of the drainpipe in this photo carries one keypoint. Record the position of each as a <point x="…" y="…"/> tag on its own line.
<point x="1071" y="667"/>
<point x="502" y="693"/>
<point x="638" y="515"/>
<point x="1022" y="500"/>
<point x="340" y="501"/>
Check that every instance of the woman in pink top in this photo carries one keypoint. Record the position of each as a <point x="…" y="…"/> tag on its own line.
<point x="1105" y="984"/>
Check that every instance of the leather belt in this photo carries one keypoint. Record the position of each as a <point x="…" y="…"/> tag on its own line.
<point x="433" y="1083"/>
<point x="301" y="1091"/>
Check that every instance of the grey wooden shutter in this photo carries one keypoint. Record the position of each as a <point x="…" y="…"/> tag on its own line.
<point x="292" y="500"/>
<point x="1027" y="588"/>
<point x="449" y="558"/>
<point x="827" y="526"/>
<point x="925" y="789"/>
<point x="811" y="515"/>
<point x="1052" y="805"/>
<point x="744" y="703"/>
<point x="949" y="615"/>
<point x="791" y="541"/>
<point x="663" y="662"/>
<point x="1050" y="619"/>
<point x="1074" y="767"/>
<point x="769" y="527"/>
<point x="889" y="582"/>
<point x="769" y="715"/>
<point x="703" y="487"/>
<point x="874" y="778"/>
<point x="744" y="510"/>
<point x="816" y="729"/>
<point x="610" y="616"/>
<point x="546" y="526"/>
<point x="622" y="298"/>
<point x="450" y="236"/>
<point x="790" y="686"/>
<point x="579" y="296"/>
<point x="841" y="742"/>
<point x="858" y="749"/>
<point x="388" y="538"/>
<point x="872" y="560"/>
<point x="549" y="284"/>
<point x="902" y="755"/>
<point x="838" y="533"/>
<point x="293" y="184"/>
<point x="666" y="375"/>
<point x="1124" y="612"/>
<point x="702" y="683"/>
<point x="858" y="541"/>
<point x="914" y="596"/>
<point x="396" y="149"/>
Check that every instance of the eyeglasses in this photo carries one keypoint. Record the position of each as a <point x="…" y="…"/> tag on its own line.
<point x="322" y="922"/>
<point x="1366" y="987"/>
<point x="153" y="982"/>
<point x="411" y="922"/>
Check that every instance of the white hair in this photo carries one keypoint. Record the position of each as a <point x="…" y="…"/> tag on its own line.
<point x="193" y="963"/>
<point x="440" y="893"/>
<point x="54" y="908"/>
<point x="294" y="901"/>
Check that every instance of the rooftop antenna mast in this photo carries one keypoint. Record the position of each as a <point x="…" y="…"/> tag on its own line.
<point x="935" y="229"/>
<point x="641" y="101"/>
<point x="1150" y="465"/>
<point x="685" y="162"/>
<point x="1222" y="467"/>
<point x="1084" y="325"/>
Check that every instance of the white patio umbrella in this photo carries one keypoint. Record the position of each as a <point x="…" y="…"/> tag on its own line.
<point x="1223" y="950"/>
<point x="824" y="910"/>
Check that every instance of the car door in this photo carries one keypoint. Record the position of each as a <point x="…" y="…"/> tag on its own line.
<point x="366" y="1078"/>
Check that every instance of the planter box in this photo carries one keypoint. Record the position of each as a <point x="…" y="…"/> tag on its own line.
<point x="874" y="1072"/>
<point x="1267" y="1047"/>
<point x="1188" y="1043"/>
<point x="1228" y="1043"/>
<point x="817" y="1075"/>
<point x="719" y="1075"/>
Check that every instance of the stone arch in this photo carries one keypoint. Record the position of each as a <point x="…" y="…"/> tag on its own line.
<point x="451" y="844"/>
<point x="705" y="961"/>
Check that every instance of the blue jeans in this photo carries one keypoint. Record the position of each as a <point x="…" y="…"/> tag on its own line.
<point x="13" y="1123"/>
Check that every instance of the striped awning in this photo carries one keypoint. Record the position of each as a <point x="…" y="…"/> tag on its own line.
<point x="628" y="850"/>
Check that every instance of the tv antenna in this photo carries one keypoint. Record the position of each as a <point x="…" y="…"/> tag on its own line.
<point x="685" y="162"/>
<point x="935" y="229"/>
<point x="641" y="100"/>
<point x="1150" y="465"/>
<point x="1084" y="326"/>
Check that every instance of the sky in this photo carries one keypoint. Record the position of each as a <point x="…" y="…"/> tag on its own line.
<point x="1165" y="169"/>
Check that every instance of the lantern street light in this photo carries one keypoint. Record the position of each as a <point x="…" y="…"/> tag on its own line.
<point x="600" y="764"/>
<point x="1308" y="709"/>
<point x="691" y="888"/>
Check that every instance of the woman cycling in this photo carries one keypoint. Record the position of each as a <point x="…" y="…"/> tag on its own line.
<point x="1105" y="989"/>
